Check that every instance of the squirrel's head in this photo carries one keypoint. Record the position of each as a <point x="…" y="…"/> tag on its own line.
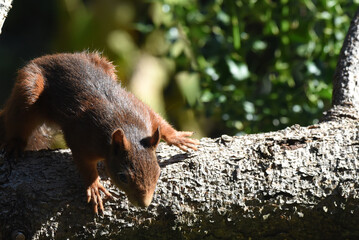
<point x="133" y="166"/>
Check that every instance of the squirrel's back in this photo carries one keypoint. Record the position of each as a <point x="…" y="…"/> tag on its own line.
<point x="78" y="92"/>
<point x="73" y="84"/>
<point x="93" y="96"/>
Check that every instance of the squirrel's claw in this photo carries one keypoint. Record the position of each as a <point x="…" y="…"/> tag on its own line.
<point x="183" y="142"/>
<point x="94" y="196"/>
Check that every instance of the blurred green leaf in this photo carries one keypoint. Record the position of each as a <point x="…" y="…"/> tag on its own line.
<point x="244" y="65"/>
<point x="189" y="86"/>
<point x="239" y="71"/>
<point x="259" y="45"/>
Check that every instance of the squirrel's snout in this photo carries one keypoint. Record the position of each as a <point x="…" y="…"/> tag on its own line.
<point x="142" y="201"/>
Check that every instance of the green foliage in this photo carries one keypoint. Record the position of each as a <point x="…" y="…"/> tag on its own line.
<point x="262" y="65"/>
<point x="231" y="66"/>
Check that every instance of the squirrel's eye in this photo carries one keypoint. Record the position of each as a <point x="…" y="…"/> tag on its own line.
<point x="122" y="177"/>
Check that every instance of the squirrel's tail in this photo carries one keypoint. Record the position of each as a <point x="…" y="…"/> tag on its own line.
<point x="41" y="138"/>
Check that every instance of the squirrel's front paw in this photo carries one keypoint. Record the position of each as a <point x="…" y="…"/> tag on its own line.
<point x="93" y="195"/>
<point x="182" y="141"/>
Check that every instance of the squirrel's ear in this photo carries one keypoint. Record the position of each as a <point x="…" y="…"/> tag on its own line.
<point x="119" y="139"/>
<point x="152" y="141"/>
<point x="155" y="138"/>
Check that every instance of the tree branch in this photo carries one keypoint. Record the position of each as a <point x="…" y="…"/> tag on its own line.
<point x="301" y="183"/>
<point x="5" y="6"/>
<point x="345" y="102"/>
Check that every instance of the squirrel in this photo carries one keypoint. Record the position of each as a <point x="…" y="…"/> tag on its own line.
<point x="100" y="120"/>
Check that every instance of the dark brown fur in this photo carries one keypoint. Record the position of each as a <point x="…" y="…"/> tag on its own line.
<point x="99" y="119"/>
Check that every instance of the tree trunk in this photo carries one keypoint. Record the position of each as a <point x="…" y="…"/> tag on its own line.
<point x="297" y="183"/>
<point x="5" y="6"/>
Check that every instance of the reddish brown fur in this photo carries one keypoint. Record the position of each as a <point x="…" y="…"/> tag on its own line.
<point x="99" y="119"/>
<point x="103" y="63"/>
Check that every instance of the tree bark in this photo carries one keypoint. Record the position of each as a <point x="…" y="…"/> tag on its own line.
<point x="5" y="6"/>
<point x="297" y="183"/>
<point x="345" y="102"/>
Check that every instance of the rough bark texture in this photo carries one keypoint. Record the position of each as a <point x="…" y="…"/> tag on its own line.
<point x="345" y="101"/>
<point x="5" y="6"/>
<point x="298" y="183"/>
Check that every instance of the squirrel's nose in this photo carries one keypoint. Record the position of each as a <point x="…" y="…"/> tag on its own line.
<point x="142" y="200"/>
<point x="145" y="201"/>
